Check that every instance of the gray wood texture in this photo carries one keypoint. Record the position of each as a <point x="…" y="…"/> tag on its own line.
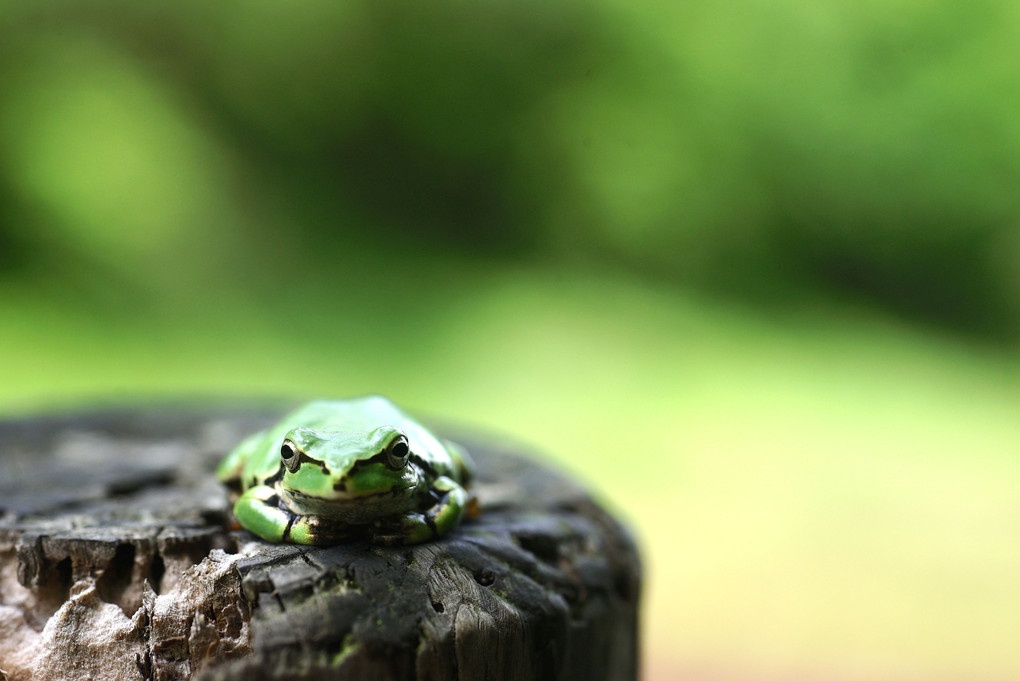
<point x="118" y="560"/>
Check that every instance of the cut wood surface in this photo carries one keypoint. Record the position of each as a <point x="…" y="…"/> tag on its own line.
<point x="118" y="561"/>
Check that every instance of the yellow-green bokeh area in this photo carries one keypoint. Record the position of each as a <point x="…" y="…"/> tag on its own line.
<point x="748" y="270"/>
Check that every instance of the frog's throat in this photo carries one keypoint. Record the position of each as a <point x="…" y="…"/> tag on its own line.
<point x="350" y="509"/>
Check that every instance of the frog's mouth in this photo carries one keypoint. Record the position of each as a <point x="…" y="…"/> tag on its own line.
<point x="341" y="498"/>
<point x="372" y="492"/>
<point x="353" y="511"/>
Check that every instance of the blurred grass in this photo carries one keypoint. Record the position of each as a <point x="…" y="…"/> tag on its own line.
<point x="747" y="269"/>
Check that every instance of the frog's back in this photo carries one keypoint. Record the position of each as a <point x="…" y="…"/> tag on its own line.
<point x="355" y="414"/>
<point x="363" y="414"/>
<point x="359" y="414"/>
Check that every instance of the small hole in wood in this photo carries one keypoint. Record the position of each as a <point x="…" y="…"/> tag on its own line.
<point x="62" y="584"/>
<point x="545" y="548"/>
<point x="157" y="572"/>
<point x="116" y="576"/>
<point x="623" y="585"/>
<point x="485" y="577"/>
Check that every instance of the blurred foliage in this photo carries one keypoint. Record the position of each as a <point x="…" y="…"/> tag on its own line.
<point x="667" y="242"/>
<point x="760" y="151"/>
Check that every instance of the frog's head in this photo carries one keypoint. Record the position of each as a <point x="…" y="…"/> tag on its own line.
<point x="347" y="475"/>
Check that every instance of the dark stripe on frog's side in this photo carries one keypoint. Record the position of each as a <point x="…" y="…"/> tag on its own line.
<point x="268" y="482"/>
<point x="290" y="523"/>
<point x="432" y="498"/>
<point x="304" y="458"/>
<point x="431" y="522"/>
<point x="275" y="477"/>
<point x="378" y="458"/>
<point x="278" y="475"/>
<point x="423" y="464"/>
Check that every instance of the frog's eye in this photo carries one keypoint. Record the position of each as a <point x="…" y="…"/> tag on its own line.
<point x="397" y="453"/>
<point x="289" y="454"/>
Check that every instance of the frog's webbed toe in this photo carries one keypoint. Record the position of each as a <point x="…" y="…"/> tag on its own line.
<point x="311" y="530"/>
<point x="260" y="512"/>
<point x="435" y="521"/>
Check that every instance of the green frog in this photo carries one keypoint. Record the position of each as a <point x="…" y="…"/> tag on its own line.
<point x="336" y="470"/>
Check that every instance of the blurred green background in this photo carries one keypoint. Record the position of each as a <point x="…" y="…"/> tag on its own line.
<point x="748" y="269"/>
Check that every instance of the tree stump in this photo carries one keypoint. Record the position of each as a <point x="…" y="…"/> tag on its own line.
<point x="118" y="561"/>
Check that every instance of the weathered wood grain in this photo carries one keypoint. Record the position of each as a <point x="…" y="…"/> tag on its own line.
<point x="118" y="561"/>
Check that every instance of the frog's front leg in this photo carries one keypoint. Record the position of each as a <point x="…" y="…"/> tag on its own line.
<point x="260" y="512"/>
<point x="435" y="521"/>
